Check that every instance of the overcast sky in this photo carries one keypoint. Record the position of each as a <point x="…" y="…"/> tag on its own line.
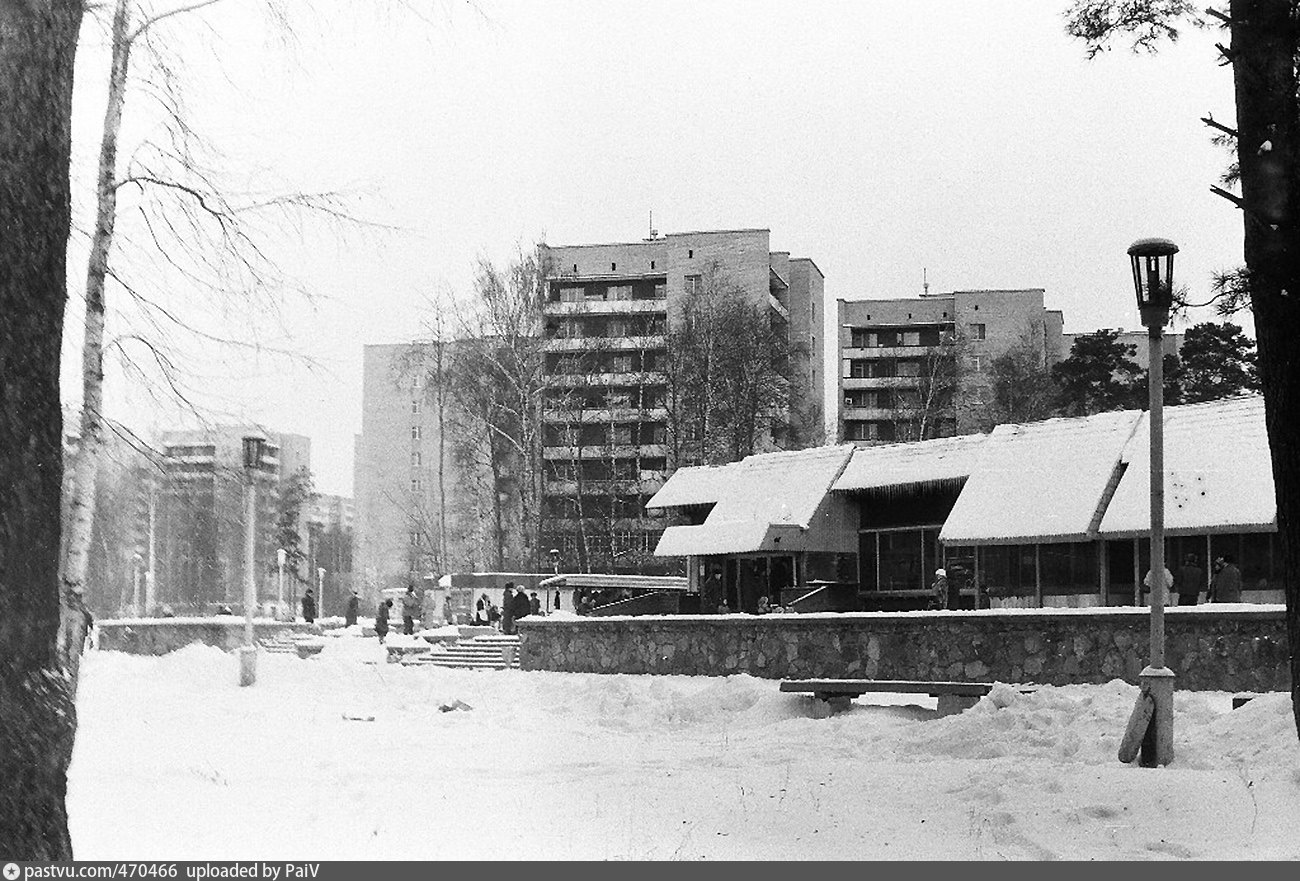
<point x="973" y="140"/>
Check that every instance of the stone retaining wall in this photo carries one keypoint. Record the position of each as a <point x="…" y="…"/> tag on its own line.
<point x="158" y="636"/>
<point x="1207" y="648"/>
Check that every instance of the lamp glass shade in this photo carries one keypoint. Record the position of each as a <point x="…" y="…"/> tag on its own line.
<point x="254" y="447"/>
<point x="1152" y="262"/>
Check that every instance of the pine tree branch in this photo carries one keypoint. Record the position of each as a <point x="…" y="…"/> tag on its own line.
<point x="1210" y="121"/>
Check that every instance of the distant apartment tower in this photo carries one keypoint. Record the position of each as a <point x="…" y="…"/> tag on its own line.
<point x="607" y="314"/>
<point x="919" y="366"/>
<point x="399" y="504"/>
<point x="201" y="514"/>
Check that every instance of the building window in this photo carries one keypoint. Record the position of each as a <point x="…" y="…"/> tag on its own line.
<point x="417" y="485"/>
<point x="620" y="292"/>
<point x="415" y="460"/>
<point x="977" y="363"/>
<point x="652" y="264"/>
<point x="977" y="331"/>
<point x="415" y="407"/>
<point x="661" y="291"/>
<point x="613" y="267"/>
<point x="690" y="254"/>
<point x="415" y="539"/>
<point x="693" y="284"/>
<point x="911" y="338"/>
<point x="415" y="432"/>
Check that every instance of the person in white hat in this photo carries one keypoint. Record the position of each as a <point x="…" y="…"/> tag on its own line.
<point x="940" y="588"/>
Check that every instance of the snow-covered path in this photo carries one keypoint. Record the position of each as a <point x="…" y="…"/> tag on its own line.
<point x="175" y="761"/>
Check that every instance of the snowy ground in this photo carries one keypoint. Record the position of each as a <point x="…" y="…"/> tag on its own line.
<point x="175" y="761"/>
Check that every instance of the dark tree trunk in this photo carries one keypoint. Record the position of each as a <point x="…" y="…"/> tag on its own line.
<point x="38" y="41"/>
<point x="1264" y="47"/>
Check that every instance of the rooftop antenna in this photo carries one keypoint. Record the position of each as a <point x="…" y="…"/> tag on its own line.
<point x="654" y="233"/>
<point x="925" y="282"/>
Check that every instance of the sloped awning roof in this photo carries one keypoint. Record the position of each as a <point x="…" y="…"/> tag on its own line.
<point x="594" y="580"/>
<point x="1041" y="481"/>
<point x="1218" y="473"/>
<point x="694" y="485"/>
<point x="761" y="498"/>
<point x="925" y="462"/>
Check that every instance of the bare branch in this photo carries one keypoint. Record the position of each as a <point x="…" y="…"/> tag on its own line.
<point x="179" y="10"/>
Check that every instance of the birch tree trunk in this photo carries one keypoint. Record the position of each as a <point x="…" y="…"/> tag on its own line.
<point x="80" y="503"/>
<point x="38" y="43"/>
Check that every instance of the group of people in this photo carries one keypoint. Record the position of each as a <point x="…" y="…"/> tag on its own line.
<point x="515" y="604"/>
<point x="1224" y="586"/>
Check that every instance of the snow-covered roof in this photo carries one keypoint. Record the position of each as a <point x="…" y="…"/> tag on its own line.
<point x="589" y="579"/>
<point x="1041" y="481"/>
<point x="931" y="461"/>
<point x="761" y="495"/>
<point x="694" y="485"/>
<point x="1218" y="473"/>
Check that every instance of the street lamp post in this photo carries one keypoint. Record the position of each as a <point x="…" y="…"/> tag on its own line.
<point x="281" y="556"/>
<point x="1153" y="277"/>
<point x="136" y="562"/>
<point x="320" y="592"/>
<point x="555" y="565"/>
<point x="254" y="447"/>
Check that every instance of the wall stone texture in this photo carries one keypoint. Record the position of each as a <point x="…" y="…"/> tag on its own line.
<point x="162" y="635"/>
<point x="1208" y="649"/>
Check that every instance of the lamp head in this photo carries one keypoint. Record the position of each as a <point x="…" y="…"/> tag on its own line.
<point x="1153" y="278"/>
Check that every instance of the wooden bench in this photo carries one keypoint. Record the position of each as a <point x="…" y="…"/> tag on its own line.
<point x="836" y="694"/>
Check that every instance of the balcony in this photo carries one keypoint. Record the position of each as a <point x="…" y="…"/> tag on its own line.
<point x="874" y="414"/>
<point x="604" y="451"/>
<point x="579" y="380"/>
<point x="603" y="486"/>
<point x="606" y="414"/>
<point x="605" y="343"/>
<point x="778" y="307"/>
<point x="869" y="382"/>
<point x="606" y="307"/>
<point x="894" y="351"/>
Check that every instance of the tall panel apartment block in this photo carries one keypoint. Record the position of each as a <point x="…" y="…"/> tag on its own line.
<point x="891" y="352"/>
<point x="608" y="312"/>
<point x="201" y="514"/>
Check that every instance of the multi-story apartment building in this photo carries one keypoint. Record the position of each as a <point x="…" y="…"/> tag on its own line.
<point x="398" y="505"/>
<point x="916" y="368"/>
<point x="200" y="514"/>
<point x="608" y="312"/>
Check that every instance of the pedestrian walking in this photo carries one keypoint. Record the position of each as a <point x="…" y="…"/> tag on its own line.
<point x="1227" y="581"/>
<point x="354" y="609"/>
<point x="534" y="604"/>
<point x="410" y="609"/>
<point x="309" y="607"/>
<point x="381" y="619"/>
<point x="523" y="606"/>
<point x="508" y="609"/>
<point x="481" y="611"/>
<point x="939" y="590"/>
<point x="1189" y="581"/>
<point x="1169" y="586"/>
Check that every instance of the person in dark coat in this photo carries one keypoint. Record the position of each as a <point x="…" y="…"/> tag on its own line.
<point x="354" y="609"/>
<point x="308" y="607"/>
<point x="508" y="609"/>
<point x="1189" y="580"/>
<point x="381" y="619"/>
<point x="534" y="604"/>
<point x="410" y="610"/>
<point x="523" y="606"/>
<point x="482" y="609"/>
<point x="1227" y="581"/>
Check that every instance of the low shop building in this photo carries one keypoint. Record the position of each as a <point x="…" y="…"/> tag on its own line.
<point x="1051" y="513"/>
